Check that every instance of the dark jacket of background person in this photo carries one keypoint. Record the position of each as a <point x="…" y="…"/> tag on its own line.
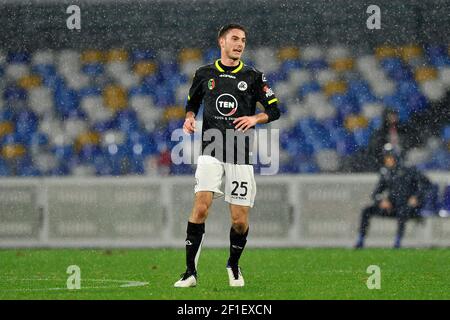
<point x="399" y="184"/>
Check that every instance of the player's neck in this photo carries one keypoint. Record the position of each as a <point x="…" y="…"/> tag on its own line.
<point x="228" y="62"/>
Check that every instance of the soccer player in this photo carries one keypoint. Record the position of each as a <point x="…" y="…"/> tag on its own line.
<point x="229" y="90"/>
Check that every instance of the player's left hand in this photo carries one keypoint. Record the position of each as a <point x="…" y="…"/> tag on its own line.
<point x="244" y="123"/>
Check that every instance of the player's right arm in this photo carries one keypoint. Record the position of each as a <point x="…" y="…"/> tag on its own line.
<point x="194" y="100"/>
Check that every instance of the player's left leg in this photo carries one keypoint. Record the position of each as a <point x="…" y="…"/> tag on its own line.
<point x="238" y="240"/>
<point x="240" y="192"/>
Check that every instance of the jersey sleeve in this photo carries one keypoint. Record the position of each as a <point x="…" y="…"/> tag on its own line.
<point x="195" y="94"/>
<point x="267" y="97"/>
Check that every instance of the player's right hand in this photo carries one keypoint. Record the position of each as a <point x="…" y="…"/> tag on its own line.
<point x="189" y="125"/>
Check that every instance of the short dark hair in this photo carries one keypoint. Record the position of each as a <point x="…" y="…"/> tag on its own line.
<point x="224" y="29"/>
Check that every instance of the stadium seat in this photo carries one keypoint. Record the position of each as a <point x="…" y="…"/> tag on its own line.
<point x="445" y="209"/>
<point x="58" y="107"/>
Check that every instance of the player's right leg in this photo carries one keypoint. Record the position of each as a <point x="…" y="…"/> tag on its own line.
<point x="194" y="237"/>
<point x="209" y="178"/>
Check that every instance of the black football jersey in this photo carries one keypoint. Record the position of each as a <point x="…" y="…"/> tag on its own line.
<point x="228" y="93"/>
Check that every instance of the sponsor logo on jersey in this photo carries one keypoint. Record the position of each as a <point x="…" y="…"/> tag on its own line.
<point x="211" y="84"/>
<point x="224" y="75"/>
<point x="226" y="104"/>
<point x="242" y="86"/>
<point x="268" y="91"/>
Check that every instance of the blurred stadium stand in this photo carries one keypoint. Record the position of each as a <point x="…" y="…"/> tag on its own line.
<point x="103" y="101"/>
<point x="111" y="112"/>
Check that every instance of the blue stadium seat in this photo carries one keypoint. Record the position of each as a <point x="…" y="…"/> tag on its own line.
<point x="309" y="87"/>
<point x="317" y="64"/>
<point x="26" y="124"/>
<point x="65" y="101"/>
<point x="431" y="202"/>
<point x="211" y="55"/>
<point x="13" y="93"/>
<point x="446" y="133"/>
<point x="18" y="57"/>
<point x="93" y="69"/>
<point x="446" y="200"/>
<point x="142" y="54"/>
<point x="89" y="91"/>
<point x="288" y="65"/>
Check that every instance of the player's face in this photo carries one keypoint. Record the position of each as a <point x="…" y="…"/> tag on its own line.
<point x="233" y="44"/>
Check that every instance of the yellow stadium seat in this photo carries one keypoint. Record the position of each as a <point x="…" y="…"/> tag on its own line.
<point x="288" y="53"/>
<point x="410" y="52"/>
<point x="386" y="52"/>
<point x="334" y="87"/>
<point x="353" y="122"/>
<point x="115" y="97"/>
<point x="115" y="55"/>
<point x="13" y="151"/>
<point x="86" y="138"/>
<point x="144" y="68"/>
<point x="189" y="54"/>
<point x="6" y="127"/>
<point x="343" y="64"/>
<point x="173" y="113"/>
<point x="425" y="73"/>
<point x="92" y="56"/>
<point x="30" y="81"/>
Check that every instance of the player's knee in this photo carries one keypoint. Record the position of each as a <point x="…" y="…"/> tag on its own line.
<point x="239" y="224"/>
<point x="200" y="211"/>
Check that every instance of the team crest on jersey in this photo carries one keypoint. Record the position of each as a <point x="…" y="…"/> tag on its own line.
<point x="211" y="84"/>
<point x="242" y="85"/>
<point x="226" y="104"/>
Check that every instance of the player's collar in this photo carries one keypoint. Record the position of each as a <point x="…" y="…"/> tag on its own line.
<point x="238" y="68"/>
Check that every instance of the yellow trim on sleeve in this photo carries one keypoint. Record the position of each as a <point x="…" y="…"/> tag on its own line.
<point x="218" y="66"/>
<point x="272" y="101"/>
<point x="189" y="97"/>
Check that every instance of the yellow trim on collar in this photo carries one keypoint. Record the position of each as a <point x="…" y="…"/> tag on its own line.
<point x="218" y="66"/>
<point x="241" y="65"/>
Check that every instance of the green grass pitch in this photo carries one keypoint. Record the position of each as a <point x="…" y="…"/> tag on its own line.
<point x="284" y="274"/>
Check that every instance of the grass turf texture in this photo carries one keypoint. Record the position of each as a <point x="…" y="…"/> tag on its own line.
<point x="285" y="274"/>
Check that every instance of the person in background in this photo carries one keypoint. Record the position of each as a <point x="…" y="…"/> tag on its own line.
<point x="400" y="136"/>
<point x="399" y="194"/>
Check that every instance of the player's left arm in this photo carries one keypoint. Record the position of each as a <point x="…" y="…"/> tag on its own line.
<point x="267" y="98"/>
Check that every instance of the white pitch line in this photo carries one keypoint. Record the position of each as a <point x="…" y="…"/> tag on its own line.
<point x="126" y="284"/>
